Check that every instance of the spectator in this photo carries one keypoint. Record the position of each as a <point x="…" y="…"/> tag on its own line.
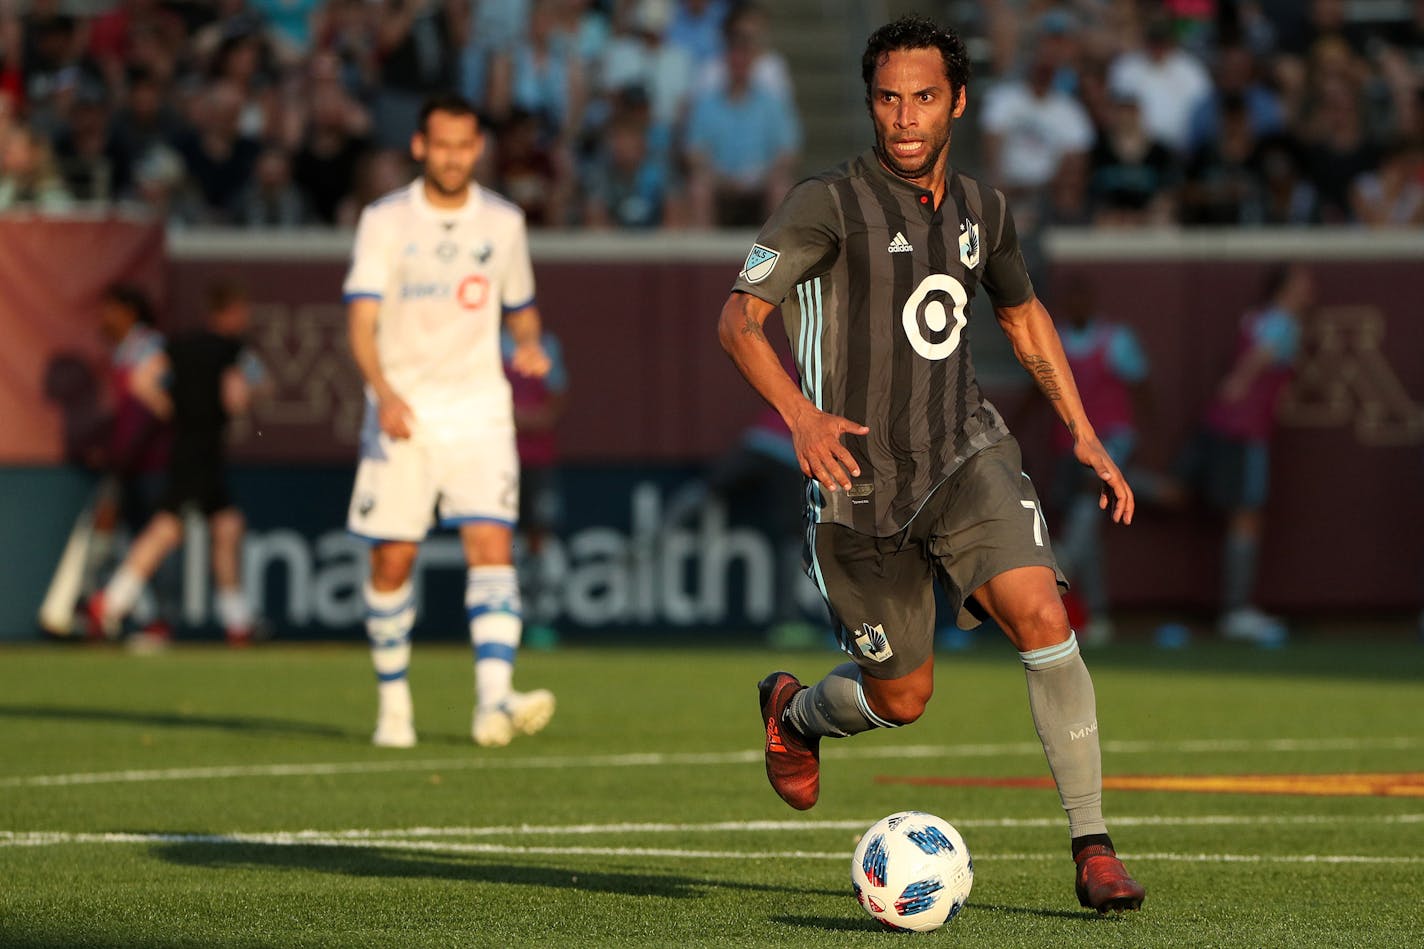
<point x="346" y="29"/>
<point x="1236" y="79"/>
<point x="218" y="158"/>
<point x="638" y="57"/>
<point x="1288" y="198"/>
<point x="331" y="145"/>
<point x="697" y="27"/>
<point x="770" y="73"/>
<point x="29" y="179"/>
<point x="144" y="122"/>
<point x="1337" y="149"/>
<point x="740" y="147"/>
<point x="541" y="76"/>
<point x="1222" y="187"/>
<point x="1034" y="136"/>
<point x="418" y="49"/>
<point x="380" y="172"/>
<point x="272" y="198"/>
<point x="533" y="173"/>
<point x="1130" y="172"/>
<point x="1167" y="82"/>
<point x="90" y="159"/>
<point x="290" y="23"/>
<point x="1392" y="196"/>
<point x="495" y="25"/>
<point x="629" y="186"/>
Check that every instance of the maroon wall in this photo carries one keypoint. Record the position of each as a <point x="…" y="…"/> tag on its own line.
<point x="1345" y="522"/>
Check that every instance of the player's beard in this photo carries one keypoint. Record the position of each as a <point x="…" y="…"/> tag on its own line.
<point x="450" y="181"/>
<point x="936" y="149"/>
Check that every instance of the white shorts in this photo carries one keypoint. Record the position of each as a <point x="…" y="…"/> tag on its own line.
<point x="400" y="483"/>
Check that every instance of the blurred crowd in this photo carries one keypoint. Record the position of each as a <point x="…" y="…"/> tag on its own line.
<point x="1207" y="112"/>
<point x="284" y="113"/>
<point x="678" y="113"/>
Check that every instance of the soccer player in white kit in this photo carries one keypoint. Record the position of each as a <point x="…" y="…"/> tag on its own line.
<point x="438" y="265"/>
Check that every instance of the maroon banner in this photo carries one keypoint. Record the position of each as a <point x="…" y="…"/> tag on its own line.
<point x="53" y="274"/>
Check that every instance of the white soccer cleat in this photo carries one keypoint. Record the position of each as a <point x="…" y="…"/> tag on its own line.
<point x="394" y="731"/>
<point x="522" y="713"/>
<point x="1248" y="624"/>
<point x="530" y="711"/>
<point x="492" y="728"/>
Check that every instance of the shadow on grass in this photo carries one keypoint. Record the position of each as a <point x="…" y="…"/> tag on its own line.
<point x="376" y="861"/>
<point x="251" y="724"/>
<point x="856" y="924"/>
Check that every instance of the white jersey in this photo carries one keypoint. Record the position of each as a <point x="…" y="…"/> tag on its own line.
<point x="444" y="279"/>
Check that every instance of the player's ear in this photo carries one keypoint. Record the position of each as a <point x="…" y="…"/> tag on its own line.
<point x="417" y="146"/>
<point x="960" y="101"/>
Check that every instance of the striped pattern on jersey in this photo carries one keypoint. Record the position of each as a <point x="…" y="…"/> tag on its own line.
<point x="879" y="337"/>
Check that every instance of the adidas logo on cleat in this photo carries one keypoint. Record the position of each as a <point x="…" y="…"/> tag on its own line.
<point x="773" y="736"/>
<point x="899" y="245"/>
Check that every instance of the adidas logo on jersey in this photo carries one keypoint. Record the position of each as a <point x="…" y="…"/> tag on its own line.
<point x="899" y="245"/>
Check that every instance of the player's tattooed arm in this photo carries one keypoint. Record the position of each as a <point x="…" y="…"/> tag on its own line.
<point x="1044" y="374"/>
<point x="751" y="326"/>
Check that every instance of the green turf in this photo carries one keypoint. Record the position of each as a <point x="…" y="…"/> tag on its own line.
<point x="672" y="737"/>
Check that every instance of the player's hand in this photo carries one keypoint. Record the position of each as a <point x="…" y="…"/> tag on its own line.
<point x="1115" y="489"/>
<point x="529" y="359"/>
<point x="396" y="418"/>
<point x="817" y="437"/>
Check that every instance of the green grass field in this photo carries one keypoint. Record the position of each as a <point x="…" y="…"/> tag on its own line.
<point x="202" y="797"/>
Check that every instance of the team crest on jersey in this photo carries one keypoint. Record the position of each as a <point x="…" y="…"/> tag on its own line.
<point x="761" y="261"/>
<point x="872" y="641"/>
<point x="446" y="250"/>
<point x="483" y="252"/>
<point x="969" y="244"/>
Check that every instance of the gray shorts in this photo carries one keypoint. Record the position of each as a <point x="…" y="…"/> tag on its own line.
<point x="981" y="521"/>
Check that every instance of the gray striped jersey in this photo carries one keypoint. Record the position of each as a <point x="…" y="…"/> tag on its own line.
<point x="874" y="285"/>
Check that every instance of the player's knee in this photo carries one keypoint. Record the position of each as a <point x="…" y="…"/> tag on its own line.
<point x="1043" y="624"/>
<point x="227" y="525"/>
<point x="391" y="565"/>
<point x="901" y="705"/>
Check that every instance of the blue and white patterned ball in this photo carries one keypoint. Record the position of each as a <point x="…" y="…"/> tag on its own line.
<point x="911" y="870"/>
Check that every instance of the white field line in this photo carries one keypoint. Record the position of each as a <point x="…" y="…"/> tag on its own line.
<point x="658" y="759"/>
<point x="446" y="847"/>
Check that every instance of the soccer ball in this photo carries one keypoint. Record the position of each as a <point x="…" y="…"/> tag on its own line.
<point x="911" y="870"/>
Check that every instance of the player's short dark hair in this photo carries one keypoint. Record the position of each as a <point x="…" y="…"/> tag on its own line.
<point x="132" y="299"/>
<point x="917" y="32"/>
<point x="447" y="103"/>
<point x="223" y="292"/>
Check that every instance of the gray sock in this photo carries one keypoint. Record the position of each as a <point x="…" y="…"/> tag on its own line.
<point x="1060" y="695"/>
<point x="834" y="707"/>
<point x="1238" y="574"/>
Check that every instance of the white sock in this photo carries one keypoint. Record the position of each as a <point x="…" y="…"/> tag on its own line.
<point x="233" y="611"/>
<point x="493" y="609"/>
<point x="122" y="593"/>
<point x="389" y="618"/>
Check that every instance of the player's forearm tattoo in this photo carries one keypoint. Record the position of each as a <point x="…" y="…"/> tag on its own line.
<point x="1043" y="373"/>
<point x="752" y="327"/>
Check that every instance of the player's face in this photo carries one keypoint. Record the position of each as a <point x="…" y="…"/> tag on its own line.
<point x="914" y="109"/>
<point x="447" y="151"/>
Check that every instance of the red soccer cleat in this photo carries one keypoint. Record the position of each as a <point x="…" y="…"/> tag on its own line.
<point x="1103" y="882"/>
<point x="96" y="627"/>
<point x="793" y="760"/>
